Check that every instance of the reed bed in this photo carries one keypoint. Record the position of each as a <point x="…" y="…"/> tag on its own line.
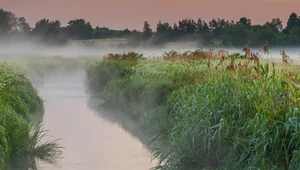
<point x="209" y="110"/>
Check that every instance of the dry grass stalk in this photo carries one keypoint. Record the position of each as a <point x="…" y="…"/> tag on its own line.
<point x="255" y="57"/>
<point x="231" y="66"/>
<point x="247" y="51"/>
<point x="208" y="63"/>
<point x="266" y="48"/>
<point x="285" y="58"/>
<point x="250" y="55"/>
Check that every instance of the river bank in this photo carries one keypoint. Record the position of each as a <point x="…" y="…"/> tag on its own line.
<point x="209" y="109"/>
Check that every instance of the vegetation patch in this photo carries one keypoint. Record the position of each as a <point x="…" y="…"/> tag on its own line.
<point x="210" y="110"/>
<point x="20" y="141"/>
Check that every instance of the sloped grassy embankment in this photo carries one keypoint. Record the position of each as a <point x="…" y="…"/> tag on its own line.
<point x="209" y="110"/>
<point x="20" y="106"/>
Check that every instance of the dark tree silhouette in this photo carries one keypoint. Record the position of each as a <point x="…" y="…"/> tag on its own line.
<point x="147" y="31"/>
<point x="292" y="21"/>
<point x="79" y="29"/>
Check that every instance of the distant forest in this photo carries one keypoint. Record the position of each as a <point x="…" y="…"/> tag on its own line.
<point x="215" y="33"/>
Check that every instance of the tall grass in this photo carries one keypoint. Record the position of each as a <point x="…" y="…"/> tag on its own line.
<point x="19" y="105"/>
<point x="113" y="66"/>
<point x="236" y="123"/>
<point x="218" y="112"/>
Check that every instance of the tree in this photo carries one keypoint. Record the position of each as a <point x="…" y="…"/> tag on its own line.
<point x="102" y="33"/>
<point x="238" y="35"/>
<point x="165" y="31"/>
<point x="125" y="33"/>
<point x="175" y="32"/>
<point x="296" y="33"/>
<point x="41" y="27"/>
<point x="205" y="39"/>
<point x="187" y="28"/>
<point x="147" y="31"/>
<point x="203" y="34"/>
<point x="201" y="26"/>
<point x="79" y="29"/>
<point x="226" y="42"/>
<point x="23" y="26"/>
<point x="48" y="31"/>
<point x="219" y="27"/>
<point x="213" y="23"/>
<point x="276" y="22"/>
<point x="292" y="21"/>
<point x="244" y="21"/>
<point x="263" y="33"/>
<point x="8" y="22"/>
<point x="158" y="40"/>
<point x="45" y="27"/>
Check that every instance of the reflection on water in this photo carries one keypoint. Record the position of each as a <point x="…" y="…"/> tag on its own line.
<point x="91" y="143"/>
<point x="122" y="120"/>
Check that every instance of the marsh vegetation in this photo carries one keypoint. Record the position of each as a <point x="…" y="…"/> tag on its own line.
<point x="21" y="131"/>
<point x="208" y="109"/>
<point x="198" y="107"/>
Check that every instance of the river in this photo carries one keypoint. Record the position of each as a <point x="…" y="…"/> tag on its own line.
<point x="90" y="142"/>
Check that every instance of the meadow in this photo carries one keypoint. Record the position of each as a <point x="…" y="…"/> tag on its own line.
<point x="208" y="109"/>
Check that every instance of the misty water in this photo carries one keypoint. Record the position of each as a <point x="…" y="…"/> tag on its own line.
<point x="90" y="141"/>
<point x="93" y="139"/>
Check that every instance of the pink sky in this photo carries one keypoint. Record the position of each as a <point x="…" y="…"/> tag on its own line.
<point x="121" y="14"/>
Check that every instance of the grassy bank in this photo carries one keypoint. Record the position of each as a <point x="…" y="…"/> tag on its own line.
<point x="210" y="110"/>
<point x="20" y="142"/>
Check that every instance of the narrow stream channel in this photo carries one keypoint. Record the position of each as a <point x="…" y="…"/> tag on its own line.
<point x="91" y="142"/>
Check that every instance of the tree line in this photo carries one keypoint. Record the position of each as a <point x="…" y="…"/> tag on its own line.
<point x="217" y="32"/>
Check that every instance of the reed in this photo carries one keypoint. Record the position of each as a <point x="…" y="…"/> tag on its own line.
<point x="213" y="111"/>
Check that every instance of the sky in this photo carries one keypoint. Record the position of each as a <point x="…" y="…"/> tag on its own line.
<point x="122" y="14"/>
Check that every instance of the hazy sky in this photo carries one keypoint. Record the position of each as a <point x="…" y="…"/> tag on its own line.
<point x="121" y="14"/>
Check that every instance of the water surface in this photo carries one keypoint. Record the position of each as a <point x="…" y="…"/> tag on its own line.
<point x="91" y="142"/>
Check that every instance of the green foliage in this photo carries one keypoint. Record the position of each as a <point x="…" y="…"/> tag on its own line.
<point x="19" y="105"/>
<point x="236" y="56"/>
<point x="226" y="42"/>
<point x="292" y="21"/>
<point x="207" y="34"/>
<point x="48" y="31"/>
<point x="246" y="129"/>
<point x="113" y="66"/>
<point x="147" y="31"/>
<point x="208" y="115"/>
<point x="9" y="23"/>
<point x="79" y="29"/>
<point x="158" y="40"/>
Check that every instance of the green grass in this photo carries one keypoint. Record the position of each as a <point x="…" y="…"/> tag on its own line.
<point x="209" y="113"/>
<point x="19" y="106"/>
